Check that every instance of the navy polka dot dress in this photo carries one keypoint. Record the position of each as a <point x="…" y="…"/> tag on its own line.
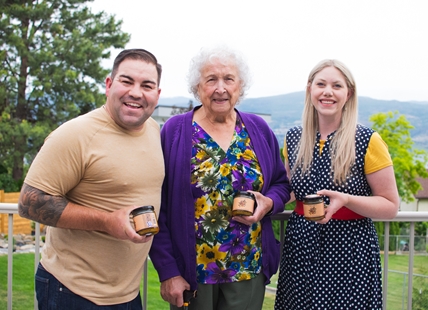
<point x="336" y="265"/>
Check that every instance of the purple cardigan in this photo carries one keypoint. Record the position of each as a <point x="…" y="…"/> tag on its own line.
<point x="173" y="251"/>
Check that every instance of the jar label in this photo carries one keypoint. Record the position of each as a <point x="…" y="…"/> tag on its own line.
<point x="145" y="220"/>
<point x="240" y="203"/>
<point x="314" y="211"/>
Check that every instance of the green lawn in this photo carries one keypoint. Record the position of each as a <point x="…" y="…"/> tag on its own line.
<point x="23" y="283"/>
<point x="397" y="283"/>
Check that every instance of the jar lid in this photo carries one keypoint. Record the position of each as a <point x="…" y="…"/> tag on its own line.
<point x="142" y="209"/>
<point x="245" y="193"/>
<point x="313" y="197"/>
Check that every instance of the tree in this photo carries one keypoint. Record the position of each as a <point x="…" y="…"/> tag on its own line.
<point x="409" y="163"/>
<point x="180" y="110"/>
<point x="50" y="54"/>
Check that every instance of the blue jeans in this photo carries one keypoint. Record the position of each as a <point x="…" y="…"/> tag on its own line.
<point x="53" y="295"/>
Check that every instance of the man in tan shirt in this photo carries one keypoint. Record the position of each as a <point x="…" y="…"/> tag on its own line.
<point x="89" y="175"/>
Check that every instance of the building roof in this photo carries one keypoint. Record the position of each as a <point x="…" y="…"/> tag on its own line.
<point x="423" y="193"/>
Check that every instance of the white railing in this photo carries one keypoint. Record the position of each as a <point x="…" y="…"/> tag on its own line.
<point x="11" y="209"/>
<point x="411" y="217"/>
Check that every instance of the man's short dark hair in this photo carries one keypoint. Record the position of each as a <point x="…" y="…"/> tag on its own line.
<point x="136" y="54"/>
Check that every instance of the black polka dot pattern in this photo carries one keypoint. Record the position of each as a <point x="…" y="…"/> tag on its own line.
<point x="332" y="266"/>
<point x="336" y="265"/>
<point x="320" y="176"/>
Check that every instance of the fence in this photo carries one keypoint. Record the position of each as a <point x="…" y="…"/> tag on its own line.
<point x="11" y="209"/>
<point x="409" y="217"/>
<point x="420" y="286"/>
<point x="20" y="225"/>
<point x="399" y="244"/>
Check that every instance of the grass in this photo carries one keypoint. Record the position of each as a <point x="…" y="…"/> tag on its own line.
<point x="397" y="282"/>
<point x="23" y="283"/>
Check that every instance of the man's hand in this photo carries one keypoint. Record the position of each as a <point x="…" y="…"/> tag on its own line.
<point x="118" y="225"/>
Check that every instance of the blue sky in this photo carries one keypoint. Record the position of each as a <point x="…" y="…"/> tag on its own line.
<point x="383" y="42"/>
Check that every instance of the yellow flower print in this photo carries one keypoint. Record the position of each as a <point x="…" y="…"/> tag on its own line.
<point x="244" y="276"/>
<point x="214" y="196"/>
<point x="193" y="178"/>
<point x="255" y="233"/>
<point x="201" y="207"/>
<point x="207" y="254"/>
<point x="206" y="166"/>
<point x="201" y="154"/>
<point x="225" y="169"/>
<point x="248" y="154"/>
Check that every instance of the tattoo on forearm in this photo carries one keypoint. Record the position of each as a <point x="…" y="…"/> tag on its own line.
<point x="40" y="206"/>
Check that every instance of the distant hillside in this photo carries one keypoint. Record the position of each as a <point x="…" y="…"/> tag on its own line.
<point x="286" y="111"/>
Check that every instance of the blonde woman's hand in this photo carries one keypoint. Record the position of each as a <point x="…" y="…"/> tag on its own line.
<point x="337" y="201"/>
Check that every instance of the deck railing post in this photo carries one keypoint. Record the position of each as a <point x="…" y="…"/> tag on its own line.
<point x="9" y="261"/>
<point x="411" y="258"/>
<point x="36" y="258"/>
<point x="385" y="264"/>
<point x="145" y="284"/>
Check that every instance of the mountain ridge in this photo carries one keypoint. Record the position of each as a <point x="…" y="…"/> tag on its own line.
<point x="286" y="112"/>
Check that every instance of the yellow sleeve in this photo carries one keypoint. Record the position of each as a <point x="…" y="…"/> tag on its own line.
<point x="377" y="156"/>
<point x="284" y="150"/>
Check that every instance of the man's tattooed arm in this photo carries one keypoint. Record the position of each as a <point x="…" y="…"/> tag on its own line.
<point x="39" y="206"/>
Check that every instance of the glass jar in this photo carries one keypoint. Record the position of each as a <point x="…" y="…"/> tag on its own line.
<point x="145" y="220"/>
<point x="313" y="207"/>
<point x="244" y="203"/>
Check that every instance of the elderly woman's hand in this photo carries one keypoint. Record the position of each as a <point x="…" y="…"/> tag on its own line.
<point x="264" y="206"/>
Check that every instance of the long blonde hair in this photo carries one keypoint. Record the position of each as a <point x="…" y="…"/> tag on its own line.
<point x="342" y="150"/>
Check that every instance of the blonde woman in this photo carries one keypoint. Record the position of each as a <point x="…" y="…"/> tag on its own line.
<point x="334" y="263"/>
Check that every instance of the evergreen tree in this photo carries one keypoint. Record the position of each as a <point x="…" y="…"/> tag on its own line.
<point x="50" y="54"/>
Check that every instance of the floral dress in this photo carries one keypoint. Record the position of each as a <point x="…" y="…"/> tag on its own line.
<point x="227" y="251"/>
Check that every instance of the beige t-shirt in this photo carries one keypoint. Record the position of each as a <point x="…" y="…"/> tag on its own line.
<point x="95" y="163"/>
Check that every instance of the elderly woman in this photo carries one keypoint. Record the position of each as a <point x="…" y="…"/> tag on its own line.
<point x="210" y="154"/>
